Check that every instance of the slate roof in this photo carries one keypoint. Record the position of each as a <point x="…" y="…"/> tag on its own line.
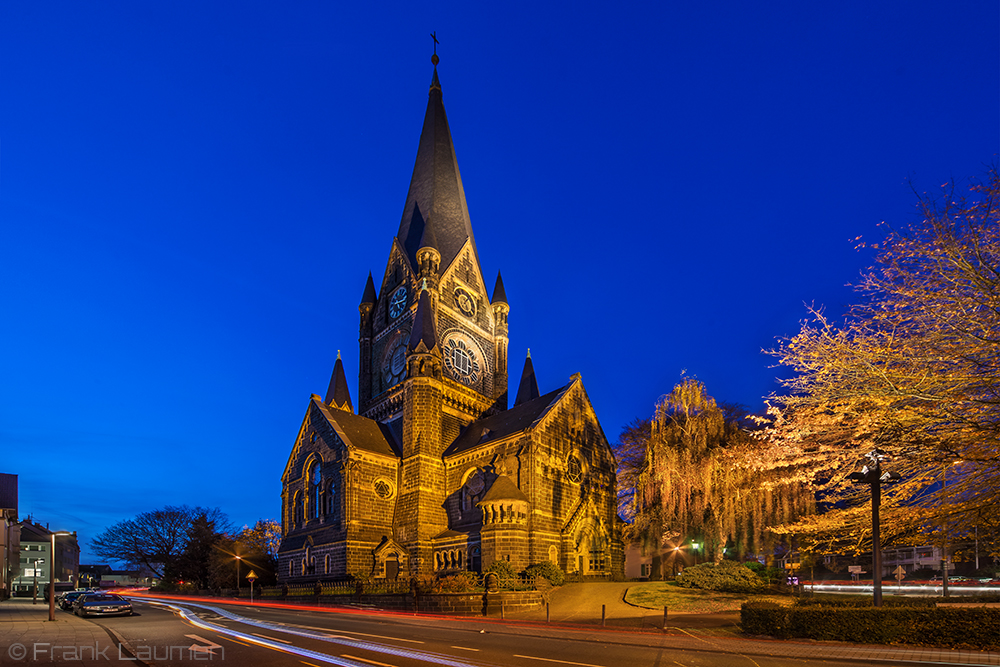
<point x="369" y="295"/>
<point x="503" y="488"/>
<point x="436" y="197"/>
<point x="423" y="324"/>
<point x="528" y="387"/>
<point x="360" y="432"/>
<point x="499" y="294"/>
<point x="516" y="420"/>
<point x="338" y="394"/>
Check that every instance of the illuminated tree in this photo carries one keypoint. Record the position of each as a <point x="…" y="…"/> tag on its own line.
<point x="914" y="368"/>
<point x="706" y="480"/>
<point x="257" y="548"/>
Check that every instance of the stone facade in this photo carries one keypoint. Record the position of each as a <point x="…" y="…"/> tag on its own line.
<point x="434" y="473"/>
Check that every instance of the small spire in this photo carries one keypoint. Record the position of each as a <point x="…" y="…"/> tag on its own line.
<point x="369" y="295"/>
<point x="499" y="294"/>
<point x="338" y="395"/>
<point x="528" y="389"/>
<point x="423" y="331"/>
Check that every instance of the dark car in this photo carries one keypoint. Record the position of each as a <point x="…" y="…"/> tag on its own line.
<point x="66" y="600"/>
<point x="102" y="604"/>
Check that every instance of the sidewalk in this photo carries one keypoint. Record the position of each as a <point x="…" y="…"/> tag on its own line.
<point x="575" y="612"/>
<point x="27" y="637"/>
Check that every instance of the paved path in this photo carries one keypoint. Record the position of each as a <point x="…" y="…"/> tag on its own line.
<point x="27" y="636"/>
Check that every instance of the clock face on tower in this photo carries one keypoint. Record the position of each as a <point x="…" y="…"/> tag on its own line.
<point x="465" y="302"/>
<point x="397" y="304"/>
<point x="394" y="361"/>
<point x="461" y="358"/>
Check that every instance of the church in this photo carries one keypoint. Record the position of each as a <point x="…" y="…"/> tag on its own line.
<point x="433" y="472"/>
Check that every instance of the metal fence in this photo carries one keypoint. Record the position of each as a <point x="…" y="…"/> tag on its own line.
<point x="389" y="587"/>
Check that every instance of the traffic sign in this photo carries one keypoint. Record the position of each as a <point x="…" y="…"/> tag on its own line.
<point x="900" y="570"/>
<point x="252" y="575"/>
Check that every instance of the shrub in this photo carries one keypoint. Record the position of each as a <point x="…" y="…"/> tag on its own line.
<point x="504" y="572"/>
<point x="548" y="570"/>
<point x="976" y="628"/>
<point x="459" y="582"/>
<point x="727" y="576"/>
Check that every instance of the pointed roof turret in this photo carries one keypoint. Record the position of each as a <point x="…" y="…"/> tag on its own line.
<point x="369" y="295"/>
<point x="436" y="198"/>
<point x="499" y="294"/>
<point x="423" y="325"/>
<point x="528" y="389"/>
<point x="338" y="395"/>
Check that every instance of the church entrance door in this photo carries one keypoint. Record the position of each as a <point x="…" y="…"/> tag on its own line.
<point x="392" y="567"/>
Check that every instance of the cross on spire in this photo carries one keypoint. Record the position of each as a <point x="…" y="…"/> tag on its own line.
<point x="434" y="58"/>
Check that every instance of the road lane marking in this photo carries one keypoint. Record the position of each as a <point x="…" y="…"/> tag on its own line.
<point x="370" y="662"/>
<point x="236" y="641"/>
<point x="308" y="663"/>
<point x="562" y="662"/>
<point x="202" y="649"/>
<point x="465" y="648"/>
<point x="352" y="632"/>
<point x="363" y="644"/>
<point x="283" y="641"/>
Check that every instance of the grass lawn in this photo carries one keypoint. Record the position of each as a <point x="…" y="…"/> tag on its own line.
<point x="657" y="594"/>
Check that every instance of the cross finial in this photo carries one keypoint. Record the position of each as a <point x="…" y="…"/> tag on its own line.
<point x="434" y="58"/>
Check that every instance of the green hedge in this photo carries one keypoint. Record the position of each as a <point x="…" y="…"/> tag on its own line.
<point x="970" y="627"/>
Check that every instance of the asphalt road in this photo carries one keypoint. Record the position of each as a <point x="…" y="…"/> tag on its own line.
<point x="176" y="633"/>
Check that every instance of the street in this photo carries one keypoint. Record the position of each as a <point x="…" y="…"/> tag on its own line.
<point x="169" y="632"/>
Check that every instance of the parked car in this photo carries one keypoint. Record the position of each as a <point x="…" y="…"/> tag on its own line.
<point x="66" y="600"/>
<point x="102" y="604"/>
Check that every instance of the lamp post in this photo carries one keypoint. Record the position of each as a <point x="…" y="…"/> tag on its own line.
<point x="34" y="572"/>
<point x="876" y="478"/>
<point x="52" y="577"/>
<point x="238" y="560"/>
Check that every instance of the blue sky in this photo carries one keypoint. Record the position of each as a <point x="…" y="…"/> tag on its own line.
<point x="192" y="195"/>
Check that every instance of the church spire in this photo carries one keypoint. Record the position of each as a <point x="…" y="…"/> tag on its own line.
<point x="436" y="198"/>
<point x="423" y="331"/>
<point x="369" y="295"/>
<point x="338" y="395"/>
<point x="499" y="294"/>
<point x="528" y="389"/>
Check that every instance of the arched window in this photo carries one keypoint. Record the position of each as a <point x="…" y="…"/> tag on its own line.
<point x="297" y="508"/>
<point x="328" y="498"/>
<point x="315" y="483"/>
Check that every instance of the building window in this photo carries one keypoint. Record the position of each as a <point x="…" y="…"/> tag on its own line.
<point x="326" y="564"/>
<point x="297" y="509"/>
<point x="315" y="482"/>
<point x="573" y="470"/>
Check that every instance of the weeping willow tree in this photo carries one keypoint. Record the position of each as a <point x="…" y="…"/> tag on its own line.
<point x="706" y="480"/>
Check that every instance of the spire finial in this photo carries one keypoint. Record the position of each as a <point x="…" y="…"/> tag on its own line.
<point x="434" y="58"/>
<point x="529" y="353"/>
<point x="338" y="353"/>
<point x="423" y="285"/>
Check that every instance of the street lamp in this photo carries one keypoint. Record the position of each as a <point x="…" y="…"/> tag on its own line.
<point x="239" y="559"/>
<point x="52" y="576"/>
<point x="876" y="478"/>
<point x="34" y="572"/>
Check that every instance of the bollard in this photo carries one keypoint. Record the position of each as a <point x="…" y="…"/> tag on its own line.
<point x="501" y="610"/>
<point x="546" y="612"/>
<point x="603" y="610"/>
<point x="664" y="617"/>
